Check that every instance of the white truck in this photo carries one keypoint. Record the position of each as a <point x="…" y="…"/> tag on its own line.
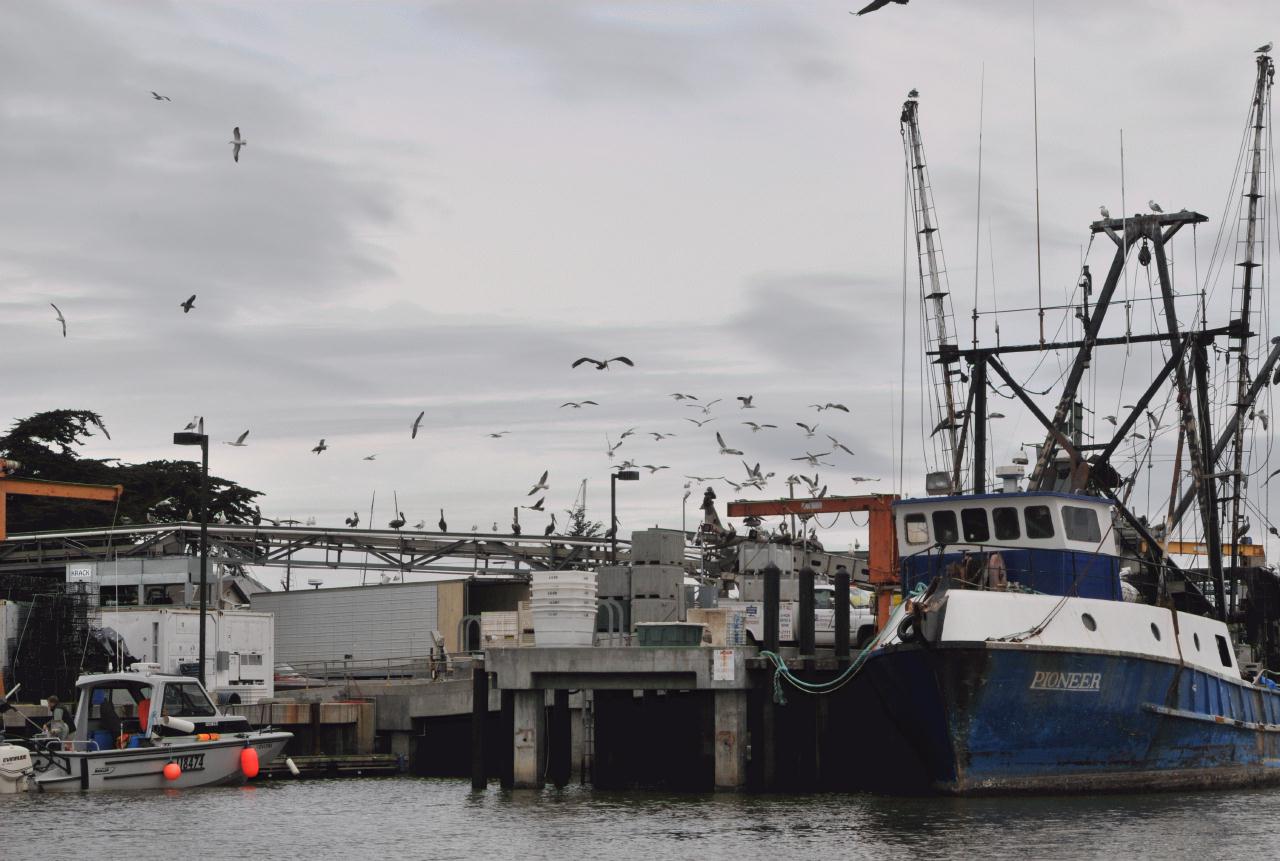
<point x="862" y="620"/>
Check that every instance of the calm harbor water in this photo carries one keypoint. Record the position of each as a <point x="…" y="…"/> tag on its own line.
<point x="409" y="818"/>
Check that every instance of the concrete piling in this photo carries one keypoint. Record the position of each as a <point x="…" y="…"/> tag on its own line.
<point x="805" y="633"/>
<point x="772" y="594"/>
<point x="561" y="740"/>
<point x="479" y="715"/>
<point x="529" y="741"/>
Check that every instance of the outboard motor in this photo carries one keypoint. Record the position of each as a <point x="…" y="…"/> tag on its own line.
<point x="15" y="769"/>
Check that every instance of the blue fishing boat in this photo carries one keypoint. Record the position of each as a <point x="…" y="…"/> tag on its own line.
<point x="1049" y="638"/>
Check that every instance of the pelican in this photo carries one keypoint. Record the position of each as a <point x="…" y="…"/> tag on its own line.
<point x="551" y="527"/>
<point x="398" y="522"/>
<point x="444" y="527"/>
<point x="354" y="520"/>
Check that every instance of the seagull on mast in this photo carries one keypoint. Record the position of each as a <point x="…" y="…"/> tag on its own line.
<point x="1155" y="207"/>
<point x="1106" y="213"/>
<point x="1265" y="49"/>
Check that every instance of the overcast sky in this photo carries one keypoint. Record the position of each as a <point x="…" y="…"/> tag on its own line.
<point x="443" y="204"/>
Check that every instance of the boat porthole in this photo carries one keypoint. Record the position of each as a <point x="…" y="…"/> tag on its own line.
<point x="1088" y="621"/>
<point x="1155" y="630"/>
<point x="1196" y="639"/>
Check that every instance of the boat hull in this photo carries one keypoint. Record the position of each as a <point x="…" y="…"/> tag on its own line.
<point x="974" y="718"/>
<point x="210" y="763"/>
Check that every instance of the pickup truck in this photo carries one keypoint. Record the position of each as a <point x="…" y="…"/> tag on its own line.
<point x="862" y="620"/>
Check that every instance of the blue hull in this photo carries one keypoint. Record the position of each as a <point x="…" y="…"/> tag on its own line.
<point x="990" y="718"/>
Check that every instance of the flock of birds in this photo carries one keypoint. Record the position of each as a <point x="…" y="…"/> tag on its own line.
<point x="755" y="476"/>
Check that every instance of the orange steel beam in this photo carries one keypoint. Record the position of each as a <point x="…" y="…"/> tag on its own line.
<point x="1199" y="548"/>
<point x="882" y="551"/>
<point x="55" y="489"/>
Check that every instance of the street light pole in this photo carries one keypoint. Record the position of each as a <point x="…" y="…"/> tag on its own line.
<point x="620" y="475"/>
<point x="202" y="440"/>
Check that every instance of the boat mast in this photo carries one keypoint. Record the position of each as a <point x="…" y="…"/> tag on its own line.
<point x="1240" y="344"/>
<point x="939" y="322"/>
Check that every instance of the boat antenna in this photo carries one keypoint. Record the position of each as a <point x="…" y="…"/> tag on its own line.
<point x="977" y="219"/>
<point x="1035" y="119"/>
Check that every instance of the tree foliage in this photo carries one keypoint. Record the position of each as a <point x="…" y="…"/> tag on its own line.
<point x="158" y="491"/>
<point x="579" y="526"/>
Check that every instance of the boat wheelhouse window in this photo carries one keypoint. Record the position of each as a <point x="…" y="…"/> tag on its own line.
<point x="917" y="529"/>
<point x="1006" y="523"/>
<point x="186" y="699"/>
<point x="944" y="527"/>
<point x="1081" y="524"/>
<point x="1039" y="521"/>
<point x="1224" y="651"/>
<point x="974" y="522"/>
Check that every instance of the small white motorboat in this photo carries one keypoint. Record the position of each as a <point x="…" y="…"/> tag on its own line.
<point x="141" y="729"/>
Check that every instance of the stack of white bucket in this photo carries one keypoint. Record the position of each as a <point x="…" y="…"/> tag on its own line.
<point x="564" y="608"/>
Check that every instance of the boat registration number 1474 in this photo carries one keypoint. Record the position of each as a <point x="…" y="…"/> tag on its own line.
<point x="1050" y="681"/>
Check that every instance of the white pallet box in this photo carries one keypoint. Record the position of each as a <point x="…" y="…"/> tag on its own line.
<point x="754" y="557"/>
<point x="657" y="547"/>
<point x="613" y="581"/>
<point x="657" y="610"/>
<point x="752" y="587"/>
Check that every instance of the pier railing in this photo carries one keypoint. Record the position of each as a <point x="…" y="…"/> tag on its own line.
<point x="418" y="667"/>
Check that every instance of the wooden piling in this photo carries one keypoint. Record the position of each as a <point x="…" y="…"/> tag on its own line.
<point x="561" y="740"/>
<point x="772" y="589"/>
<point x="805" y="635"/>
<point x="479" y="716"/>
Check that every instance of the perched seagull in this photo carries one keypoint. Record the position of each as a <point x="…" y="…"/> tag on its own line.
<point x="755" y="428"/>
<point x="188" y="305"/>
<point x="836" y="444"/>
<point x="808" y="431"/>
<point x="724" y="449"/>
<point x="681" y="397"/>
<point x="700" y="423"/>
<point x="659" y="437"/>
<point x="1265" y="49"/>
<point x="398" y="522"/>
<point x="444" y="527"/>
<point x="537" y="506"/>
<point x="61" y="319"/>
<point x="1106" y="213"/>
<point x="160" y="98"/>
<point x="239" y="440"/>
<point x="236" y="142"/>
<point x="577" y="405"/>
<point x="320" y="447"/>
<point x="652" y="469"/>
<point x="746" y="402"/>
<point x="603" y="364"/>
<point x="419" y="525"/>
<point x="196" y="422"/>
<point x="369" y="457"/>
<point x="541" y="485"/>
<point x="354" y="520"/>
<point x="498" y="435"/>
<point x="413" y="431"/>
<point x="876" y="4"/>
<point x="1155" y="207"/>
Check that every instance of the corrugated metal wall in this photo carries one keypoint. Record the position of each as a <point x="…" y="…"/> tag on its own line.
<point x="365" y="622"/>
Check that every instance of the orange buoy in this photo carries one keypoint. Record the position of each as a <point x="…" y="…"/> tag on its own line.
<point x="172" y="771"/>
<point x="249" y="762"/>
<point x="202" y="736"/>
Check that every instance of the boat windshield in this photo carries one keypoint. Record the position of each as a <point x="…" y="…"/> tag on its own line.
<point x="187" y="699"/>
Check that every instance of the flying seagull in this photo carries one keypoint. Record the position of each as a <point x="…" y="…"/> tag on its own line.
<point x="700" y="423"/>
<point x="369" y="457"/>
<point x="706" y="408"/>
<point x="875" y="5"/>
<point x="188" y="305"/>
<point x="861" y="478"/>
<point x="610" y="447"/>
<point x="537" y="506"/>
<point x="413" y="431"/>
<point x="1155" y="207"/>
<point x="498" y="435"/>
<point x="577" y="405"/>
<point x="659" y="437"/>
<point x="239" y="440"/>
<point x="724" y="449"/>
<point x="813" y="459"/>
<point x="61" y="319"/>
<point x="808" y="431"/>
<point x="1110" y="419"/>
<point x="1265" y="49"/>
<point x="626" y="433"/>
<point x="320" y="447"/>
<point x="830" y="406"/>
<point x="683" y="397"/>
<point x="746" y="402"/>
<point x="1106" y="213"/>
<point x="755" y="428"/>
<point x="652" y="469"/>
<point x="160" y="98"/>
<point x="836" y="444"/>
<point x="236" y="142"/>
<point x="541" y="485"/>
<point x="602" y="364"/>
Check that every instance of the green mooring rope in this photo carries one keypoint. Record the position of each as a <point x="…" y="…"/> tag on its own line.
<point x="781" y="671"/>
